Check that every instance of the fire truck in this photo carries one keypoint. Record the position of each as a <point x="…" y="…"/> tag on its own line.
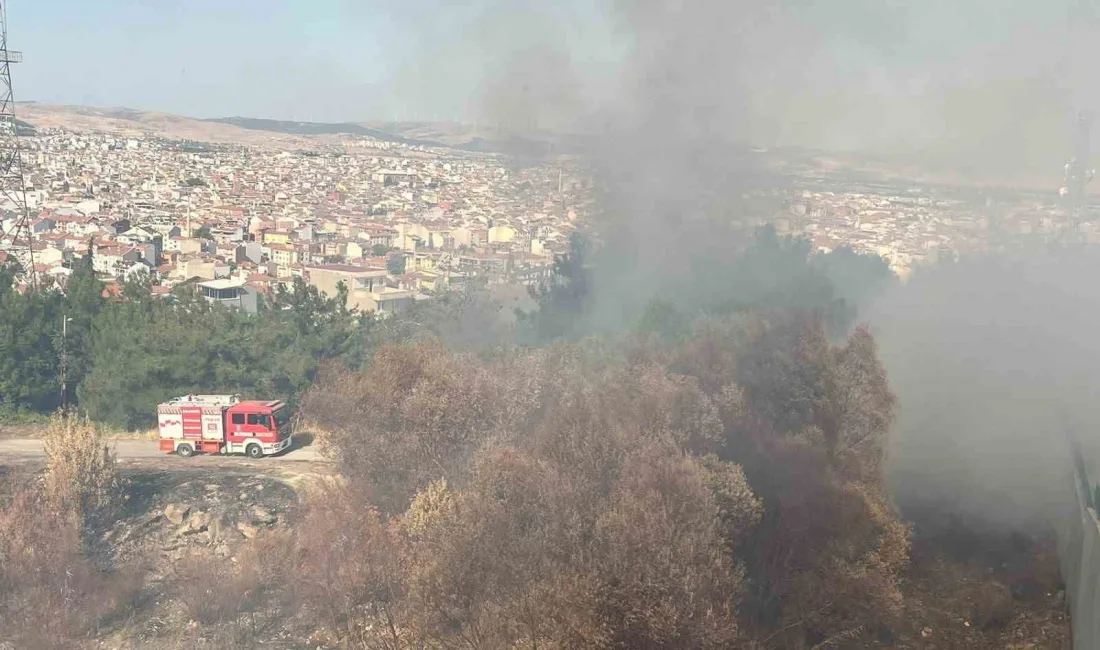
<point x="223" y="424"/>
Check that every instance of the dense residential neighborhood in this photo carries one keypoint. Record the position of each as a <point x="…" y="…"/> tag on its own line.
<point x="399" y="222"/>
<point x="394" y="223"/>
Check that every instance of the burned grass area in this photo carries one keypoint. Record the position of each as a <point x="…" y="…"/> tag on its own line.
<point x="974" y="587"/>
<point x="173" y="511"/>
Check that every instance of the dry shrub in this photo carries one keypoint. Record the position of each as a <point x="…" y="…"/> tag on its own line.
<point x="82" y="478"/>
<point x="417" y="414"/>
<point x="568" y="497"/>
<point x="528" y="557"/>
<point x="829" y="554"/>
<point x="51" y="594"/>
<point x="675" y="582"/>
<point x="347" y="573"/>
<point x="570" y="509"/>
<point x="239" y="598"/>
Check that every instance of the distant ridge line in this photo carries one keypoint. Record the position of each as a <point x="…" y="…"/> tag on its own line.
<point x="316" y="128"/>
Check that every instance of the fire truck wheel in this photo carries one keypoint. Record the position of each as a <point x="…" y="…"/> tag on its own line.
<point x="254" y="451"/>
<point x="185" y="450"/>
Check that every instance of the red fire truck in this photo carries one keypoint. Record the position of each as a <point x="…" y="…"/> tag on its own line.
<point x="223" y="424"/>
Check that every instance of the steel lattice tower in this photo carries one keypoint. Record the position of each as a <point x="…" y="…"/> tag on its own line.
<point x="17" y="239"/>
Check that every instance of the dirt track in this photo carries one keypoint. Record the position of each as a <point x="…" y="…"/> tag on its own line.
<point x="29" y="450"/>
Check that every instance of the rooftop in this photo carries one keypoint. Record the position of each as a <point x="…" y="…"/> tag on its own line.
<point x="343" y="268"/>
<point x="222" y="283"/>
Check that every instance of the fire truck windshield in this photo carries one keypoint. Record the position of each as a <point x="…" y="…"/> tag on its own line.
<point x="282" y="416"/>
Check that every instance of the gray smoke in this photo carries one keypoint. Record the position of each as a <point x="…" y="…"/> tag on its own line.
<point x="995" y="361"/>
<point x="981" y="86"/>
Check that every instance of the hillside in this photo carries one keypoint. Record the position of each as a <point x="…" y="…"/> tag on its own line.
<point x="126" y="122"/>
<point x="315" y="129"/>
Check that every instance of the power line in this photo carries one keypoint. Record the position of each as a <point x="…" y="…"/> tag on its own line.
<point x="17" y="240"/>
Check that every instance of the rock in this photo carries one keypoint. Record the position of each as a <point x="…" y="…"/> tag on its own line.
<point x="926" y="632"/>
<point x="248" y="530"/>
<point x="197" y="523"/>
<point x="212" y="487"/>
<point x="201" y="520"/>
<point x="244" y="496"/>
<point x="262" y="516"/>
<point x="176" y="513"/>
<point x="222" y="550"/>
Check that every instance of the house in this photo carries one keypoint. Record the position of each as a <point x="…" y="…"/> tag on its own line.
<point x="277" y="237"/>
<point x="387" y="301"/>
<point x="166" y="230"/>
<point x="390" y="177"/>
<point x="185" y="245"/>
<point x="354" y="250"/>
<point x="250" y="252"/>
<point x="233" y="293"/>
<point x="283" y="255"/>
<point x="111" y="260"/>
<point x="202" y="268"/>
<point x="410" y="236"/>
<point x="51" y="255"/>
<point x="151" y="242"/>
<point x="424" y="281"/>
<point x="502" y="234"/>
<point x="89" y="206"/>
<point x="360" y="282"/>
<point x="378" y="235"/>
<point x="39" y="226"/>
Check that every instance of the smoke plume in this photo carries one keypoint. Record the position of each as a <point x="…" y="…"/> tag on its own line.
<point x="994" y="361"/>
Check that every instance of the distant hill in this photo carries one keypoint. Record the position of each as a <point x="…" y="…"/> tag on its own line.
<point x="455" y="136"/>
<point x="312" y="128"/>
<point x="128" y="122"/>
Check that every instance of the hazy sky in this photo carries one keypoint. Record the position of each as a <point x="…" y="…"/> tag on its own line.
<point x="984" y="81"/>
<point x="324" y="60"/>
<point x="269" y="58"/>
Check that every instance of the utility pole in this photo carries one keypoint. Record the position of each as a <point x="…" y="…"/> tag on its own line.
<point x="65" y="362"/>
<point x="12" y="181"/>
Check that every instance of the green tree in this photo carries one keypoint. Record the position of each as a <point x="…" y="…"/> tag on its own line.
<point x="395" y="264"/>
<point x="30" y="325"/>
<point x="83" y="303"/>
<point x="563" y="298"/>
<point x="663" y="319"/>
<point x="146" y="350"/>
<point x="379" y="250"/>
<point x="856" y="277"/>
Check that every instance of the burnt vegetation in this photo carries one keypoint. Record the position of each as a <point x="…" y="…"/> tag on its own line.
<point x="725" y="491"/>
<point x="710" y="479"/>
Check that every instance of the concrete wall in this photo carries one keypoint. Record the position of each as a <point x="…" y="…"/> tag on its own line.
<point x="1079" y="549"/>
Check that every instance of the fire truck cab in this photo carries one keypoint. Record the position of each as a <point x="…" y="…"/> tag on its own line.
<point x="223" y="424"/>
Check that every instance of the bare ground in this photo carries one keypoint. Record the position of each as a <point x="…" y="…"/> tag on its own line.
<point x="975" y="590"/>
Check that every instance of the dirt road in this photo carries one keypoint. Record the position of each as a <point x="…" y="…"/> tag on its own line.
<point x="19" y="450"/>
